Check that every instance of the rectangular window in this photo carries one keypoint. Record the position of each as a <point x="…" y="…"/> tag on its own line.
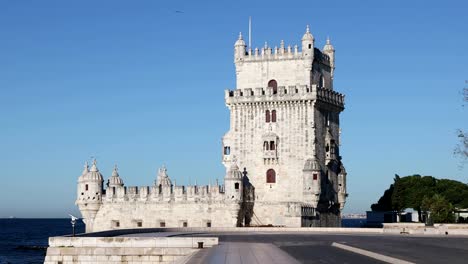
<point x="185" y="224"/>
<point x="315" y="176"/>
<point x="139" y="223"/>
<point x="208" y="224"/>
<point x="86" y="187"/>
<point x="115" y="224"/>
<point x="162" y="224"/>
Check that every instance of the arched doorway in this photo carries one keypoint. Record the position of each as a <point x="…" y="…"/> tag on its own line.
<point x="274" y="84"/>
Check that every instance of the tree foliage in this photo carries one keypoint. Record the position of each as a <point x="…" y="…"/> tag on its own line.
<point x="441" y="210"/>
<point x="418" y="192"/>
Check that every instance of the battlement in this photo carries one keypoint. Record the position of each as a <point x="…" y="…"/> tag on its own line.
<point x="284" y="94"/>
<point x="267" y="53"/>
<point x="171" y="193"/>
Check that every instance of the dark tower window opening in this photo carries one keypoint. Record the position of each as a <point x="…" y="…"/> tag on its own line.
<point x="236" y="186"/>
<point x="267" y="116"/>
<point x="310" y="46"/>
<point x="315" y="176"/>
<point x="273" y="116"/>
<point x="86" y="187"/>
<point x="272" y="145"/>
<point x="327" y="148"/>
<point x="113" y="190"/>
<point x="227" y="150"/>
<point x="271" y="176"/>
<point x="321" y="81"/>
<point x="274" y="85"/>
<point x="266" y="146"/>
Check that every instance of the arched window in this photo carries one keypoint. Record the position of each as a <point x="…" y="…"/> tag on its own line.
<point x="274" y="84"/>
<point x="272" y="145"/>
<point x="236" y="186"/>
<point x="267" y="116"/>
<point x="273" y="116"/>
<point x="271" y="176"/>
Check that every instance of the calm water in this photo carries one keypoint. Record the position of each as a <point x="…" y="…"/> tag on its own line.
<point x="25" y="240"/>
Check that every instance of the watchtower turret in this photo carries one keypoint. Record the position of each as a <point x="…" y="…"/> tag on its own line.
<point x="329" y="50"/>
<point x="233" y="184"/>
<point x="308" y="44"/>
<point x="89" y="198"/>
<point x="312" y="181"/>
<point x="239" y="49"/>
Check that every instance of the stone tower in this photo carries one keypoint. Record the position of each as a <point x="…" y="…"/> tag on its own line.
<point x="89" y="196"/>
<point x="284" y="133"/>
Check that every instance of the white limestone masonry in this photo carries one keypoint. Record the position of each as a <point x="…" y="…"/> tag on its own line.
<point x="281" y="153"/>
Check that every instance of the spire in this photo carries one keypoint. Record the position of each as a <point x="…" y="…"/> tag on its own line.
<point x="86" y="168"/>
<point x="328" y="40"/>
<point x="307" y="29"/>
<point x="94" y="167"/>
<point x="115" y="173"/>
<point x="328" y="46"/>
<point x="240" y="36"/>
<point x="307" y="35"/>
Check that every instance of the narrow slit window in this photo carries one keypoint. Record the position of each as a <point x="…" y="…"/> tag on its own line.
<point x="267" y="116"/>
<point x="273" y="116"/>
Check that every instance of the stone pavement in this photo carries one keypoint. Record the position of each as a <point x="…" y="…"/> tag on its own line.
<point x="245" y="253"/>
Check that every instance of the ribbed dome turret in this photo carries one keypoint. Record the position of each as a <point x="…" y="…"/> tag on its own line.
<point x="308" y="35"/>
<point x="312" y="164"/>
<point x="163" y="178"/>
<point x="115" y="179"/>
<point x="234" y="172"/>
<point x="328" y="47"/>
<point x="93" y="174"/>
<point x="240" y="41"/>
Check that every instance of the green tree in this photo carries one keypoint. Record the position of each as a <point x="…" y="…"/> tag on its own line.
<point x="441" y="210"/>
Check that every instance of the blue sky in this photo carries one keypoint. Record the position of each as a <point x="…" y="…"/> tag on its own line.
<point x="140" y="84"/>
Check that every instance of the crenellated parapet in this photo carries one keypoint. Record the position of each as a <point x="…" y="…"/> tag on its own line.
<point x="192" y="193"/>
<point x="284" y="94"/>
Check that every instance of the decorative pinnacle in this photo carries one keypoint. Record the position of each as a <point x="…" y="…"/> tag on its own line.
<point x="282" y="44"/>
<point x="328" y="40"/>
<point x="240" y="36"/>
<point x="115" y="173"/>
<point x="307" y="29"/>
<point x="266" y="45"/>
<point x="94" y="167"/>
<point x="86" y="168"/>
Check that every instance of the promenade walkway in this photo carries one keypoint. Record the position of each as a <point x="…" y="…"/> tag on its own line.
<point x="242" y="253"/>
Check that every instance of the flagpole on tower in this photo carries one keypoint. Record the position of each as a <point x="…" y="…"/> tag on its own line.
<point x="250" y="32"/>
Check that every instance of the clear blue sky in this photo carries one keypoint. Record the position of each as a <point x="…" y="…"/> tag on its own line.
<point x="140" y="84"/>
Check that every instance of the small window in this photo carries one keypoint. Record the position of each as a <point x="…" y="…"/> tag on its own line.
<point x="139" y="223"/>
<point x="273" y="116"/>
<point x="236" y="186"/>
<point x="162" y="224"/>
<point x="266" y="146"/>
<point x="113" y="190"/>
<point x="271" y="176"/>
<point x="184" y="224"/>
<point x="267" y="116"/>
<point x="315" y="176"/>
<point x="272" y="145"/>
<point x="115" y="223"/>
<point x="86" y="187"/>
<point x="208" y="224"/>
<point x="227" y="150"/>
<point x="310" y="46"/>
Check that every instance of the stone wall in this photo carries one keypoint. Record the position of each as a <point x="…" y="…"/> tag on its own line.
<point x="63" y="250"/>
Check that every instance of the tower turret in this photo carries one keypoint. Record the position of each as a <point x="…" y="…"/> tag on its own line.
<point x="89" y="198"/>
<point x="342" y="187"/>
<point x="239" y="49"/>
<point x="115" y="180"/>
<point x="308" y="44"/>
<point x="312" y="181"/>
<point x="233" y="184"/>
<point x="329" y="50"/>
